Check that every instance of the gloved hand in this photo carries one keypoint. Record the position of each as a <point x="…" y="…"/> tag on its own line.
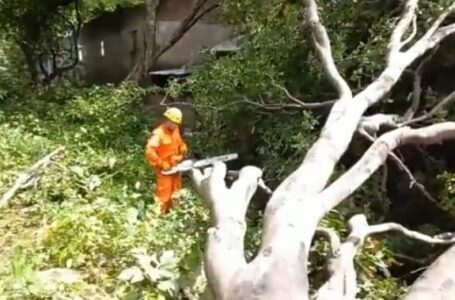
<point x="176" y="159"/>
<point x="165" y="165"/>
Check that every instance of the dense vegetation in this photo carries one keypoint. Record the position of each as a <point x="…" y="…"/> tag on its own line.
<point x="92" y="211"/>
<point x="89" y="212"/>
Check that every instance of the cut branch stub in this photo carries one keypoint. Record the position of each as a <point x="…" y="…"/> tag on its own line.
<point x="227" y="202"/>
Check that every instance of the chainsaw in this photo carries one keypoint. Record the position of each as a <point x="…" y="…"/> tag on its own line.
<point x="189" y="164"/>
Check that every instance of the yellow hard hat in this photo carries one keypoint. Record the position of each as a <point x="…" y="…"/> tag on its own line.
<point x="174" y="114"/>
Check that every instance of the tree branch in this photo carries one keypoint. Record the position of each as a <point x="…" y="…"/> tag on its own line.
<point x="279" y="270"/>
<point x="75" y="39"/>
<point x="406" y="18"/>
<point x="323" y="48"/>
<point x="145" y="58"/>
<point x="413" y="32"/>
<point x="441" y="239"/>
<point x="260" y="105"/>
<point x="224" y="255"/>
<point x="150" y="44"/>
<point x="321" y="156"/>
<point x="301" y="191"/>
<point x="29" y="175"/>
<point x="447" y="100"/>
<point x="300" y="103"/>
<point x="346" y="112"/>
<point x="376" y="155"/>
<point x="54" y="48"/>
<point x="413" y="182"/>
<point x="417" y="86"/>
<point x="371" y="124"/>
<point x="434" y="35"/>
<point x="196" y="13"/>
<point x="343" y="281"/>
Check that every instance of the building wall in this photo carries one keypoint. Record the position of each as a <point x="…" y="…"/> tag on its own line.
<point x="200" y="37"/>
<point x="117" y="31"/>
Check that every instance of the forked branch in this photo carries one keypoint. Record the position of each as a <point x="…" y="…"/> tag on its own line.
<point x="396" y="41"/>
<point x="323" y="48"/>
<point x="434" y="35"/>
<point x="224" y="255"/>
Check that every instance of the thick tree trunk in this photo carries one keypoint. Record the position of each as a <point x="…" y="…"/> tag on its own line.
<point x="145" y="59"/>
<point x="30" y="61"/>
<point x="437" y="282"/>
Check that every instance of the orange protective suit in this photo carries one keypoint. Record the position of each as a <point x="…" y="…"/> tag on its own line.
<point x="165" y="149"/>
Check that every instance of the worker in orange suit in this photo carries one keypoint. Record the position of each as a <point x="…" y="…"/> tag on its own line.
<point x="165" y="148"/>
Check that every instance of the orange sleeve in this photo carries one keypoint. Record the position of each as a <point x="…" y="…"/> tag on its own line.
<point x="150" y="150"/>
<point x="183" y="148"/>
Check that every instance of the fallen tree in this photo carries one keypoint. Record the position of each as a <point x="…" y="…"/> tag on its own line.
<point x="437" y="282"/>
<point x="294" y="211"/>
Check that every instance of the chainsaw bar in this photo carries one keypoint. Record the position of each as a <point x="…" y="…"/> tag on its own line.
<point x="190" y="164"/>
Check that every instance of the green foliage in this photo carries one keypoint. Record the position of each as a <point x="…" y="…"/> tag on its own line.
<point x="93" y="8"/>
<point x="446" y="185"/>
<point x="382" y="289"/>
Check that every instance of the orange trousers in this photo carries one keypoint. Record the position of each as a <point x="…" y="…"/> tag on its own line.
<point x="166" y="188"/>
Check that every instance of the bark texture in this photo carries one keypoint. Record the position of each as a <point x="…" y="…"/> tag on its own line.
<point x="437" y="282"/>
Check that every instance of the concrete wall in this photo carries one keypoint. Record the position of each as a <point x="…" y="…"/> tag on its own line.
<point x="117" y="30"/>
<point x="200" y="37"/>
